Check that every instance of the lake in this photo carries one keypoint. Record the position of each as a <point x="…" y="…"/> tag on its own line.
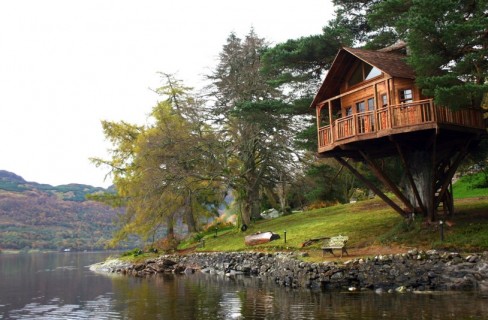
<point x="60" y="286"/>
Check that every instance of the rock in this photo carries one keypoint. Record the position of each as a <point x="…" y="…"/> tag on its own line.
<point x="401" y="289"/>
<point x="337" y="275"/>
<point x="379" y="291"/>
<point x="166" y="263"/>
<point x="413" y="252"/>
<point x="271" y="214"/>
<point x="139" y="266"/>
<point x="179" y="269"/>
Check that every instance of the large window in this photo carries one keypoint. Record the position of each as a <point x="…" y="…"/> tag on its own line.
<point x="366" y="105"/>
<point x="362" y="72"/>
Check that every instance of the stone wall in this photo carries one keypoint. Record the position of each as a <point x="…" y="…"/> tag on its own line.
<point x="412" y="271"/>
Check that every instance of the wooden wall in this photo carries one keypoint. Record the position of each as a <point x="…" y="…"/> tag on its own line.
<point x="396" y="84"/>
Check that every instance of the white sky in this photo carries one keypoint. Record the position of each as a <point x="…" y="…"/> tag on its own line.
<point x="65" y="65"/>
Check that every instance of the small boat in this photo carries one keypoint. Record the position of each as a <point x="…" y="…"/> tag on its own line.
<point x="260" y="237"/>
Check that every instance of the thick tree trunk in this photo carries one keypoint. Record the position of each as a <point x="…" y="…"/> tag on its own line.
<point x="245" y="214"/>
<point x="253" y="199"/>
<point x="420" y="166"/>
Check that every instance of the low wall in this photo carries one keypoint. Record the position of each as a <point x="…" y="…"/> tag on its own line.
<point x="412" y="271"/>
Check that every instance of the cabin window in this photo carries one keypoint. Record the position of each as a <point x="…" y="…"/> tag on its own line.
<point x="384" y="100"/>
<point x="360" y="107"/>
<point x="406" y="96"/>
<point x="362" y="72"/>
<point x="348" y="111"/>
<point x="370" y="104"/>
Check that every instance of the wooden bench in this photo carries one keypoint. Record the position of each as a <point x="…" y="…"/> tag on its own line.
<point x="338" y="242"/>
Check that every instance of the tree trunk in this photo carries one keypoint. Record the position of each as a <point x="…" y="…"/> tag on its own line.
<point x="245" y="214"/>
<point x="190" y="219"/>
<point x="170" y="227"/>
<point x="253" y="200"/>
<point x="282" y="194"/>
<point x="420" y="166"/>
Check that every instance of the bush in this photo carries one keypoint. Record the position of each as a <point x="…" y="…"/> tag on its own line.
<point x="167" y="244"/>
<point x="132" y="253"/>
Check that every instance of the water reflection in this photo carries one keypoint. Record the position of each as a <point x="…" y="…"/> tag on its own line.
<point x="214" y="297"/>
<point x="59" y="286"/>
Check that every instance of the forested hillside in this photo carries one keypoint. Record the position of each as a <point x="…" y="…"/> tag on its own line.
<point x="40" y="216"/>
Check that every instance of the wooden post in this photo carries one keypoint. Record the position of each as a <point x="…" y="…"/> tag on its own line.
<point x="331" y="121"/>
<point x="390" y="110"/>
<point x="318" y="111"/>
<point x="386" y="181"/>
<point x="431" y="207"/>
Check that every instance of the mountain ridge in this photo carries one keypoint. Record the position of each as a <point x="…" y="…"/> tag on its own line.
<point x="10" y="181"/>
<point x="45" y="217"/>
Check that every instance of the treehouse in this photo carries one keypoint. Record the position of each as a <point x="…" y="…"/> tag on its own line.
<point x="369" y="108"/>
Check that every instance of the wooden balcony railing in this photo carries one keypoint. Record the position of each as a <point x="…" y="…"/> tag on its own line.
<point x="397" y="117"/>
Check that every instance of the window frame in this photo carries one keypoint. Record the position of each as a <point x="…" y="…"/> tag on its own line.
<point x="405" y="100"/>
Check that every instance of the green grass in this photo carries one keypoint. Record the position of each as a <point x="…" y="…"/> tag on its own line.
<point x="368" y="224"/>
<point x="468" y="187"/>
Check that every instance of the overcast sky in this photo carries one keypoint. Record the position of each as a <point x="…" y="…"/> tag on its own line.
<point x="66" y="65"/>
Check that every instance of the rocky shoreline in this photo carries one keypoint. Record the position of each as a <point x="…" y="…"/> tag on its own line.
<point x="414" y="271"/>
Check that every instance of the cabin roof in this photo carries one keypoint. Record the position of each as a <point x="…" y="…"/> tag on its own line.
<point x="390" y="63"/>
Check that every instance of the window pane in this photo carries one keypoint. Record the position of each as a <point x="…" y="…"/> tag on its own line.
<point x="370" y="104"/>
<point x="406" y="95"/>
<point x="371" y="71"/>
<point x="384" y="100"/>
<point x="360" y="106"/>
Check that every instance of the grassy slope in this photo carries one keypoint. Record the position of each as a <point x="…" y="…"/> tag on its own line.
<point x="369" y="224"/>
<point x="464" y="187"/>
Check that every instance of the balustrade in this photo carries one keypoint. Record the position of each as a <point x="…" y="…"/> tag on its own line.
<point x="397" y="117"/>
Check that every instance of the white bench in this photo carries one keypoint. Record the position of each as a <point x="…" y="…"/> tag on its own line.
<point x="338" y="242"/>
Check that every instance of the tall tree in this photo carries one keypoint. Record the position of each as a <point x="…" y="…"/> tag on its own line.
<point x="253" y="121"/>
<point x="165" y="170"/>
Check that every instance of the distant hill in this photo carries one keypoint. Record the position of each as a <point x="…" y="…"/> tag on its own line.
<point x="41" y="216"/>
<point x="73" y="192"/>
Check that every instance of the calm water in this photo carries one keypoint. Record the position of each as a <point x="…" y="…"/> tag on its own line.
<point x="60" y="286"/>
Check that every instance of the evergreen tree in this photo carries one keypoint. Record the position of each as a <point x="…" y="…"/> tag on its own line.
<point x="253" y="122"/>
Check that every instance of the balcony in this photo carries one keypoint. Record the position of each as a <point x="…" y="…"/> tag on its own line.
<point x="396" y="119"/>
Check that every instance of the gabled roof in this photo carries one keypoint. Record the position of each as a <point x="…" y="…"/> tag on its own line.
<point x="390" y="63"/>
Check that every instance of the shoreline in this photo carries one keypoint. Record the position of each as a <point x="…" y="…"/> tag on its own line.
<point x="414" y="271"/>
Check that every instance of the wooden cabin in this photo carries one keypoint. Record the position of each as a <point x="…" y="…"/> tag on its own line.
<point x="369" y="108"/>
<point x="372" y="95"/>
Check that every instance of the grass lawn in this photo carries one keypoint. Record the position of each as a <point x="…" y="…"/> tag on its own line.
<point x="465" y="187"/>
<point x="372" y="227"/>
